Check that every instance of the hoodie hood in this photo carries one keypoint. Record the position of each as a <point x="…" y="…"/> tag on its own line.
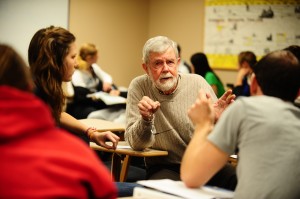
<point x="22" y="114"/>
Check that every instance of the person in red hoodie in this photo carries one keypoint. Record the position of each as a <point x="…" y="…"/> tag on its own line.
<point x="38" y="159"/>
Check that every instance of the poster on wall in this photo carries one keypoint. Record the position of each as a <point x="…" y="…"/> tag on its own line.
<point x="260" y="26"/>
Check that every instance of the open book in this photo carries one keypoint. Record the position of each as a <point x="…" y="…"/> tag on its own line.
<point x="107" y="98"/>
<point x="169" y="189"/>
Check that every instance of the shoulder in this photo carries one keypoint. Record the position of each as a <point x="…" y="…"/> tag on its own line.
<point x="77" y="73"/>
<point x="193" y="79"/>
<point x="140" y="80"/>
<point x="94" y="65"/>
<point x="191" y="76"/>
<point x="209" y="74"/>
<point x="96" y="68"/>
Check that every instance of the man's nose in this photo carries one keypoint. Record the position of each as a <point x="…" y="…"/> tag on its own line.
<point x="165" y="66"/>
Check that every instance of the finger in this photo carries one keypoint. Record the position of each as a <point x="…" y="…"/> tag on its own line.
<point x="202" y="94"/>
<point x="144" y="113"/>
<point x="142" y="108"/>
<point x="230" y="99"/>
<point x="109" y="146"/>
<point x="113" y="146"/>
<point x="156" y="105"/>
<point x="111" y="137"/>
<point x="117" y="138"/>
<point x="228" y="93"/>
<point x="144" y="105"/>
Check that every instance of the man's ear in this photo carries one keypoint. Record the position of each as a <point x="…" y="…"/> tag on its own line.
<point x="253" y="85"/>
<point x="178" y="61"/>
<point x="145" y="68"/>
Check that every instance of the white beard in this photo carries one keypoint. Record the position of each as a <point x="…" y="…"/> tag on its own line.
<point x="167" y="85"/>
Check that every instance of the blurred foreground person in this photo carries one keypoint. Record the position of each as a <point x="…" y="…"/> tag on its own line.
<point x="39" y="160"/>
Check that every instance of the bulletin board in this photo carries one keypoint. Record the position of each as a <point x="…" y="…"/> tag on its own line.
<point x="261" y="26"/>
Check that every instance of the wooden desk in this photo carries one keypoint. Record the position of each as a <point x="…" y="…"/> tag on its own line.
<point x="104" y="125"/>
<point x="124" y="153"/>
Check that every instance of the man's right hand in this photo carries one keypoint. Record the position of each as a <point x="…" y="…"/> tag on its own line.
<point x="148" y="107"/>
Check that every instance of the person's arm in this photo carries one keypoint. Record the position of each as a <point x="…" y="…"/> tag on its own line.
<point x="72" y="124"/>
<point x="201" y="159"/>
<point x="104" y="77"/>
<point x="139" y="131"/>
<point x="241" y="74"/>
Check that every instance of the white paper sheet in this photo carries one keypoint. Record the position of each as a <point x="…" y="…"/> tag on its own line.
<point x="179" y="189"/>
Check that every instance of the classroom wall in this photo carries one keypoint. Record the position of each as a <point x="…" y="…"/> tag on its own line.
<point x="19" y="20"/>
<point x="120" y="28"/>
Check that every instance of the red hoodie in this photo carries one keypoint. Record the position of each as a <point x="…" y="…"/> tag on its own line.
<point x="39" y="160"/>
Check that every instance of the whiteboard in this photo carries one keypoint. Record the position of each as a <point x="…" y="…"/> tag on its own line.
<point x="20" y="19"/>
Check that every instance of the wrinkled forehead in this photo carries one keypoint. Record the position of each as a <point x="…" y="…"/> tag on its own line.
<point x="167" y="54"/>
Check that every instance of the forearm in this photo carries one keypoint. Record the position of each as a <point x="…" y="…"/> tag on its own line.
<point x="70" y="123"/>
<point x="139" y="134"/>
<point x="201" y="159"/>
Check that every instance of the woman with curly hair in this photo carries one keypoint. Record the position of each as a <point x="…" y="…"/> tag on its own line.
<point x="52" y="58"/>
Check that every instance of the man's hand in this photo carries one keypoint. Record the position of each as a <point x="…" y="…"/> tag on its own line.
<point x="148" y="107"/>
<point x="223" y="102"/>
<point x="202" y="112"/>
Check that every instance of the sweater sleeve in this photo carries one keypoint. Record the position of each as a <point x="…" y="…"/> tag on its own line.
<point x="138" y="131"/>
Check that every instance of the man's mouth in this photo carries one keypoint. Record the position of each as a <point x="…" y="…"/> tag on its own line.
<point x="165" y="79"/>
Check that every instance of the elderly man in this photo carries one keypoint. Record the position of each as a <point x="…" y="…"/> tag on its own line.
<point x="156" y="111"/>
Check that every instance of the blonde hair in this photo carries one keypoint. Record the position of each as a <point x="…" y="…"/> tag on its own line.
<point x="87" y="49"/>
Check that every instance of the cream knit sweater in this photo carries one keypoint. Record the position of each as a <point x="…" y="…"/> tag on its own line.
<point x="171" y="125"/>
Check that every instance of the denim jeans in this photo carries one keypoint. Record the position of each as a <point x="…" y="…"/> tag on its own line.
<point x="126" y="188"/>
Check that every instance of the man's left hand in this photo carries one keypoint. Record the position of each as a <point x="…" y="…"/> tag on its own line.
<point x="223" y="102"/>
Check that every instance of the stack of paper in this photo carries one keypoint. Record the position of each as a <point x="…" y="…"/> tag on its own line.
<point x="107" y="98"/>
<point x="169" y="189"/>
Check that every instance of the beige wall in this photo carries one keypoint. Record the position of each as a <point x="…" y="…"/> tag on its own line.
<point x="120" y="28"/>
